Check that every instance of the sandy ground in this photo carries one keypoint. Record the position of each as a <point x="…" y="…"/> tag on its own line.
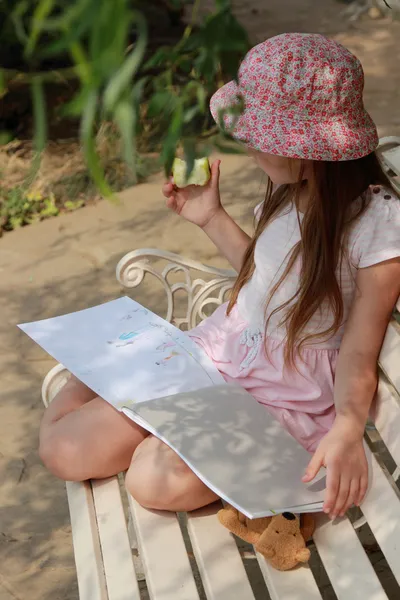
<point x="68" y="263"/>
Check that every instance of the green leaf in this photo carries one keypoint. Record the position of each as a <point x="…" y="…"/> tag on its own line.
<point x="138" y="89"/>
<point x="39" y="113"/>
<point x="227" y="145"/>
<point x="213" y="31"/>
<point x="17" y="18"/>
<point x="185" y="65"/>
<point x="224" y="42"/>
<point x="204" y="148"/>
<point x="64" y="42"/>
<point x="84" y="67"/>
<point x="136" y="99"/>
<point x="40" y="13"/>
<point x="68" y="16"/>
<point x="74" y="108"/>
<point x="161" y="102"/>
<point x="21" y="8"/>
<point x="160" y="56"/>
<point x="99" y="29"/>
<point x="189" y="149"/>
<point x="190" y="114"/>
<point x="127" y="71"/>
<point x="222" y="4"/>
<point x="75" y="31"/>
<point x="206" y="64"/>
<point x="40" y="131"/>
<point x="109" y="37"/>
<point x="202" y="98"/>
<point x="125" y="118"/>
<point x="89" y="144"/>
<point x="171" y="140"/>
<point x="230" y="63"/>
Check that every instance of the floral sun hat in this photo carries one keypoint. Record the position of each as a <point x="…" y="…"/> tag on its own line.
<point x="303" y="98"/>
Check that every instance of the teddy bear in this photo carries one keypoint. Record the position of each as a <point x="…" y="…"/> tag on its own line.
<point x="281" y="539"/>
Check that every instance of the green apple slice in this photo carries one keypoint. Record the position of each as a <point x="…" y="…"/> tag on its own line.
<point x="200" y="174"/>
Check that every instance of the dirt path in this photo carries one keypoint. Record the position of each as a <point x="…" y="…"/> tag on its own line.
<point x="68" y="263"/>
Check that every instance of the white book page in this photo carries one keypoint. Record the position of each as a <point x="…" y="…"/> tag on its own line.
<point x="236" y="448"/>
<point x="304" y="508"/>
<point x="124" y="352"/>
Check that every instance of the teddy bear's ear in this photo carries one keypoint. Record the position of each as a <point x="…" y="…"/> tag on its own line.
<point x="303" y="555"/>
<point x="307" y="526"/>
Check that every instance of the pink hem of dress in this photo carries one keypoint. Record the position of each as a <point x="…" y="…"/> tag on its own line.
<point x="302" y="399"/>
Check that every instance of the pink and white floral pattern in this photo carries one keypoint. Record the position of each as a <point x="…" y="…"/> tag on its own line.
<point x="303" y="96"/>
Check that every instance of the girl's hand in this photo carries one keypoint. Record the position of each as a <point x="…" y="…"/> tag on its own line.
<point x="197" y="204"/>
<point x="342" y="452"/>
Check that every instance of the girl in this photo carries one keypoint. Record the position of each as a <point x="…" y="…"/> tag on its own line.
<point x="317" y="283"/>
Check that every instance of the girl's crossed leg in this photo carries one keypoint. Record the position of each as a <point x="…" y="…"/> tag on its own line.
<point x="84" y="437"/>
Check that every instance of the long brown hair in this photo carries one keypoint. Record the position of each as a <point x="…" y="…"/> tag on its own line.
<point x="334" y="187"/>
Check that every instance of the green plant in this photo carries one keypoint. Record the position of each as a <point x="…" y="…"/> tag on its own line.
<point x="105" y="43"/>
<point x="18" y="208"/>
<point x="73" y="204"/>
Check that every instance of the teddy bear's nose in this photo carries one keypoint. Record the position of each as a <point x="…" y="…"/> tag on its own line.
<point x="289" y="516"/>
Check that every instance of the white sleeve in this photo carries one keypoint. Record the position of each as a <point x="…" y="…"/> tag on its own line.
<point x="378" y="234"/>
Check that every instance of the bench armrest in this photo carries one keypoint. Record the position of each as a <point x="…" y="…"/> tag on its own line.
<point x="205" y="286"/>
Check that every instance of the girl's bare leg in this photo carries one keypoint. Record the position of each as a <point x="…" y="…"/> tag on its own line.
<point x="159" y="479"/>
<point x="83" y="437"/>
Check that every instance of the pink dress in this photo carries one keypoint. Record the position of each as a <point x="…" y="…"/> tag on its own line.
<point x="302" y="400"/>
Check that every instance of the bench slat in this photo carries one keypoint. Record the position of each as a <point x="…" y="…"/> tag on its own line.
<point x="117" y="555"/>
<point x="88" y="558"/>
<point x="392" y="158"/>
<point x="348" y="568"/>
<point x="221" y="568"/>
<point x="389" y="358"/>
<point x="387" y="418"/>
<point x="162" y="549"/>
<point x="298" y="584"/>
<point x="381" y="508"/>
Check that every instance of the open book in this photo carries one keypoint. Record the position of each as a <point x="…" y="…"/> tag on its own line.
<point x="161" y="379"/>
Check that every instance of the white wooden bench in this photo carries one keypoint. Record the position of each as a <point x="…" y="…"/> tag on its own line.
<point x="389" y="149"/>
<point x="118" y="544"/>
